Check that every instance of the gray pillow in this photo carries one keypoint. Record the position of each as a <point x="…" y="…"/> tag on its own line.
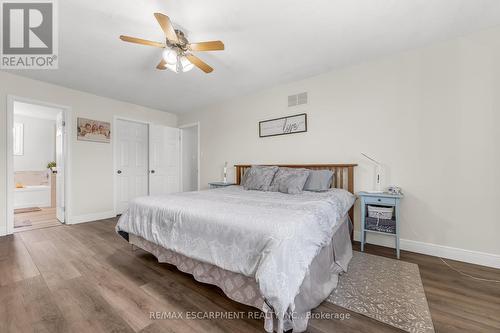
<point x="258" y="177"/>
<point x="319" y="180"/>
<point x="289" y="180"/>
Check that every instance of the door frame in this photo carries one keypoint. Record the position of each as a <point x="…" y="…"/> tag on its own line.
<point x="197" y="124"/>
<point x="9" y="218"/>
<point x="114" y="148"/>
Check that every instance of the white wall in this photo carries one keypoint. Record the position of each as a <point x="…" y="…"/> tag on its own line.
<point x="39" y="144"/>
<point x="91" y="163"/>
<point x="431" y="115"/>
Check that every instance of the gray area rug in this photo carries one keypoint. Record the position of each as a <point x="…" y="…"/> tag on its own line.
<point x="387" y="290"/>
<point x="21" y="223"/>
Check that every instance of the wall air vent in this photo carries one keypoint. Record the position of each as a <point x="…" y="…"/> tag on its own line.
<point x="298" y="99"/>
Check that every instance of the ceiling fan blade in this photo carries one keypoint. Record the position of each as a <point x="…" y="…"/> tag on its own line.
<point x="162" y="65"/>
<point x="167" y="27"/>
<point x="215" y="45"/>
<point x="142" y="41"/>
<point x="199" y="63"/>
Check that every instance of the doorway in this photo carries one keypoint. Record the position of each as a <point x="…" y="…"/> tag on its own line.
<point x="36" y="164"/>
<point x="146" y="161"/>
<point x="190" y="152"/>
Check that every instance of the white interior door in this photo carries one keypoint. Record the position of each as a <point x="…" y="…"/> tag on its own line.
<point x="131" y="161"/>
<point x="60" y="134"/>
<point x="189" y="152"/>
<point x="164" y="160"/>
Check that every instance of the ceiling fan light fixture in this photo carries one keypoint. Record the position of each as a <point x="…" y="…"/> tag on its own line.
<point x="177" y="51"/>
<point x="170" y="56"/>
<point x="186" y="64"/>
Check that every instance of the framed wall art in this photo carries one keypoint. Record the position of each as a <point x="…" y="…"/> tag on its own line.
<point x="284" y="125"/>
<point x="93" y="130"/>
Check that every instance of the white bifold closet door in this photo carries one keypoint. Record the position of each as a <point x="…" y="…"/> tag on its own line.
<point x="147" y="161"/>
<point x="164" y="160"/>
<point x="132" y="162"/>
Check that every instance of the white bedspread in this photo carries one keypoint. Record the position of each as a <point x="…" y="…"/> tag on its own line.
<point x="270" y="236"/>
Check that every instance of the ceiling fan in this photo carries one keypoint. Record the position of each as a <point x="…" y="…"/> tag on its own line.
<point x="177" y="51"/>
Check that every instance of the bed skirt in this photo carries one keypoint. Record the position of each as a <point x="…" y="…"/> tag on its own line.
<point x="320" y="281"/>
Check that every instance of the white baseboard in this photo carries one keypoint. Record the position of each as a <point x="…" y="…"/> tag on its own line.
<point x="453" y="253"/>
<point x="91" y="217"/>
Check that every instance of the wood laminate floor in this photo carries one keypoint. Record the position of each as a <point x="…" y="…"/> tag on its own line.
<point x="44" y="218"/>
<point x="85" y="278"/>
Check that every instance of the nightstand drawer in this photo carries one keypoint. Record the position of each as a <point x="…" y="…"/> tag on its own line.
<point x="380" y="201"/>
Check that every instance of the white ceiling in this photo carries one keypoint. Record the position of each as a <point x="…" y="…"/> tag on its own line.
<point x="267" y="42"/>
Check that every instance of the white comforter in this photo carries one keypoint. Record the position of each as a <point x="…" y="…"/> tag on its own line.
<point x="270" y="236"/>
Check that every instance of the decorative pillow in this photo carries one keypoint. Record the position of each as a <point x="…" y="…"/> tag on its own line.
<point x="258" y="177"/>
<point x="289" y="180"/>
<point x="319" y="180"/>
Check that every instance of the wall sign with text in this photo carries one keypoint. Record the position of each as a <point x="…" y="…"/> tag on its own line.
<point x="284" y="125"/>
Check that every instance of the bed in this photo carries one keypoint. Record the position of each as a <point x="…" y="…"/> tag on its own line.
<point x="280" y="253"/>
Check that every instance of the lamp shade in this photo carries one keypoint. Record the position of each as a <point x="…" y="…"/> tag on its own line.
<point x="172" y="67"/>
<point x="186" y="64"/>
<point x="170" y="56"/>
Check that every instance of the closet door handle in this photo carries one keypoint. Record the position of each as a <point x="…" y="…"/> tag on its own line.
<point x="152" y="171"/>
<point x="119" y="172"/>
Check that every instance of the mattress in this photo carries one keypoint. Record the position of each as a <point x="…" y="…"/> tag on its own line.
<point x="270" y="237"/>
<point x="320" y="281"/>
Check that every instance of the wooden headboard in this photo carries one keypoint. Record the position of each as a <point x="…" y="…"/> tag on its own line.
<point x="343" y="175"/>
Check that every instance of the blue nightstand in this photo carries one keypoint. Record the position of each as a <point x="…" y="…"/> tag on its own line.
<point x="380" y="226"/>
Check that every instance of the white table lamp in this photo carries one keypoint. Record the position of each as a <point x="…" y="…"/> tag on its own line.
<point x="225" y="173"/>
<point x="379" y="174"/>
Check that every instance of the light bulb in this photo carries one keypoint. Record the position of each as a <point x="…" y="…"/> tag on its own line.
<point x="186" y="64"/>
<point x="170" y="56"/>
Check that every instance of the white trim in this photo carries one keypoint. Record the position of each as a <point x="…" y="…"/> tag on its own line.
<point x="92" y="217"/>
<point x="8" y="228"/>
<point x="115" y="117"/>
<point x="197" y="124"/>
<point x="453" y="253"/>
<point x="190" y="125"/>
